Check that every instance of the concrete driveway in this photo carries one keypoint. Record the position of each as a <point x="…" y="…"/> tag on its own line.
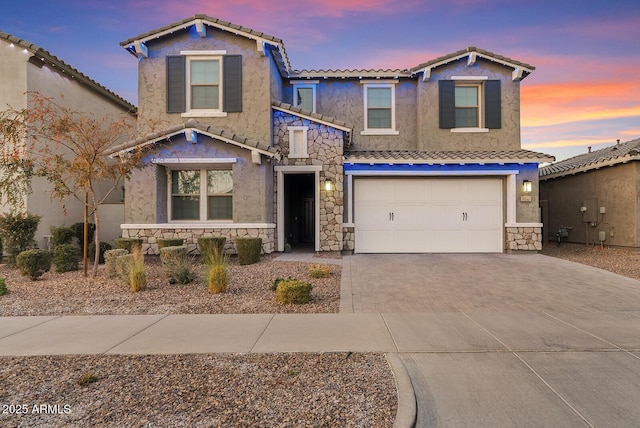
<point x="504" y="340"/>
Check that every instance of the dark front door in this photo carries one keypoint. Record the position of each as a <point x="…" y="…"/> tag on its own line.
<point x="299" y="209"/>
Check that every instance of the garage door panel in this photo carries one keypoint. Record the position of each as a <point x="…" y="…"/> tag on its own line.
<point x="428" y="215"/>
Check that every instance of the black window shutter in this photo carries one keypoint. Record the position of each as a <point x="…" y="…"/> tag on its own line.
<point x="232" y="85"/>
<point x="176" y="84"/>
<point x="446" y="90"/>
<point x="492" y="108"/>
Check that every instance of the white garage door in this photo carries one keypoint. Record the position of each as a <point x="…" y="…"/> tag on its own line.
<point x="428" y="215"/>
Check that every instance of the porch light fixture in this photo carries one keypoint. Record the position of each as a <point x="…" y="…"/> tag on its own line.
<point x="328" y="185"/>
<point x="526" y="186"/>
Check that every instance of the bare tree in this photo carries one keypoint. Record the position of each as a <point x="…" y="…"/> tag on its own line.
<point x="66" y="147"/>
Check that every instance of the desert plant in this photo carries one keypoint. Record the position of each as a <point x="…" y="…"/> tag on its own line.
<point x="34" y="263"/>
<point x="249" y="250"/>
<point x="208" y="244"/>
<point x="87" y="378"/>
<point x="274" y="284"/>
<point x="170" y="242"/>
<point x="218" y="278"/>
<point x="128" y="243"/>
<point x="110" y="257"/>
<point x="78" y="231"/>
<point x="137" y="272"/>
<point x="91" y="252"/>
<point x="3" y="287"/>
<point x="66" y="257"/>
<point x="61" y="235"/>
<point x="176" y="264"/>
<point x="293" y="291"/>
<point x="17" y="232"/>
<point x="319" y="271"/>
<point x="123" y="266"/>
<point x="1" y="250"/>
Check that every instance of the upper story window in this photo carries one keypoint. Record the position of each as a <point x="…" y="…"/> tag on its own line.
<point x="379" y="108"/>
<point x="298" y="147"/>
<point x="470" y="104"/>
<point x="201" y="195"/>
<point x="204" y="83"/>
<point x="304" y="95"/>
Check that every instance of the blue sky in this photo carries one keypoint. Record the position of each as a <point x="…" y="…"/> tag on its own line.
<point x="584" y="92"/>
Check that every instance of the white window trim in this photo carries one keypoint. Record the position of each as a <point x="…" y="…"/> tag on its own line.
<point x="203" y="55"/>
<point x="380" y="84"/>
<point x="473" y="81"/>
<point x="305" y="84"/>
<point x="203" y="195"/>
<point x="305" y="153"/>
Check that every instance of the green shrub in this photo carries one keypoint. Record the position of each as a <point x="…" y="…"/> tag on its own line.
<point x="17" y="232"/>
<point x="249" y="250"/>
<point x="293" y="291"/>
<point x="61" y="235"/>
<point x="319" y="271"/>
<point x="110" y="257"/>
<point x="78" y="229"/>
<point x="173" y="242"/>
<point x="3" y="287"/>
<point x="34" y="263"/>
<point x="91" y="252"/>
<point x="176" y="264"/>
<point x="274" y="284"/>
<point x="123" y="267"/>
<point x="66" y="257"/>
<point x="137" y="272"/>
<point x="208" y="246"/>
<point x="1" y="250"/>
<point x="218" y="278"/>
<point x="128" y="243"/>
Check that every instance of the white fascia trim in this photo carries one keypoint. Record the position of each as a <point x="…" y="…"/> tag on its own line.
<point x="193" y="161"/>
<point x="523" y="225"/>
<point x="313" y="119"/>
<point x="379" y="81"/>
<point x="303" y="82"/>
<point x="200" y="225"/>
<point x="211" y="52"/>
<point x="429" y="173"/>
<point x="481" y="161"/>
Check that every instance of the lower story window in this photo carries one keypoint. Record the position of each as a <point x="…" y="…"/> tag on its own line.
<point x="201" y="195"/>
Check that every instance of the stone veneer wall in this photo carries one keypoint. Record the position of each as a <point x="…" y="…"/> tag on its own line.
<point x="524" y="238"/>
<point x="150" y="236"/>
<point x="325" y="148"/>
<point x="348" y="238"/>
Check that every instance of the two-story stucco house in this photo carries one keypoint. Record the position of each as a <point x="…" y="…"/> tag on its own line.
<point x="24" y="68"/>
<point x="426" y="159"/>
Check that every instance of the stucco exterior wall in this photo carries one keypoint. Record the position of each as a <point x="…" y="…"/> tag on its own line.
<point x="253" y="121"/>
<point x="432" y="138"/>
<point x="20" y="75"/>
<point x="527" y="204"/>
<point x="146" y="195"/>
<point x="344" y="100"/>
<point x="616" y="188"/>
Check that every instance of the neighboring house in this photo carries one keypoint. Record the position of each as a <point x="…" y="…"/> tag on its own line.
<point x="25" y="67"/>
<point x="426" y="159"/>
<point x="596" y="194"/>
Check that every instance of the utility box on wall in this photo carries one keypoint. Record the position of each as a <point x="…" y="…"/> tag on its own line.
<point x="591" y="213"/>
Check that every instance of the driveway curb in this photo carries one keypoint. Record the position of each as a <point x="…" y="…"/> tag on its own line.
<point x="407" y="408"/>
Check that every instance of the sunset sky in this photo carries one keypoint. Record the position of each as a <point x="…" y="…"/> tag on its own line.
<point x="585" y="90"/>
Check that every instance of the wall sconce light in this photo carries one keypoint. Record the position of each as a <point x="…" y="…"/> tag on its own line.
<point x="328" y="185"/>
<point x="526" y="186"/>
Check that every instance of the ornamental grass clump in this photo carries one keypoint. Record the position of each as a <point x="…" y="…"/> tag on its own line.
<point x="208" y="245"/>
<point x="3" y="287"/>
<point x="218" y="275"/>
<point x="176" y="264"/>
<point x="319" y="271"/>
<point x="137" y="273"/>
<point x="293" y="291"/>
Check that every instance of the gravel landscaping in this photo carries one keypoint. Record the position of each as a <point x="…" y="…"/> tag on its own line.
<point x="274" y="390"/>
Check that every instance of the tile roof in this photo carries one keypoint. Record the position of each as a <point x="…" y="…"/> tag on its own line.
<point x="297" y="111"/>
<point x="608" y="156"/>
<point x="46" y="57"/>
<point x="415" y="156"/>
<point x="463" y="52"/>
<point x="193" y="124"/>
<point x="281" y="58"/>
